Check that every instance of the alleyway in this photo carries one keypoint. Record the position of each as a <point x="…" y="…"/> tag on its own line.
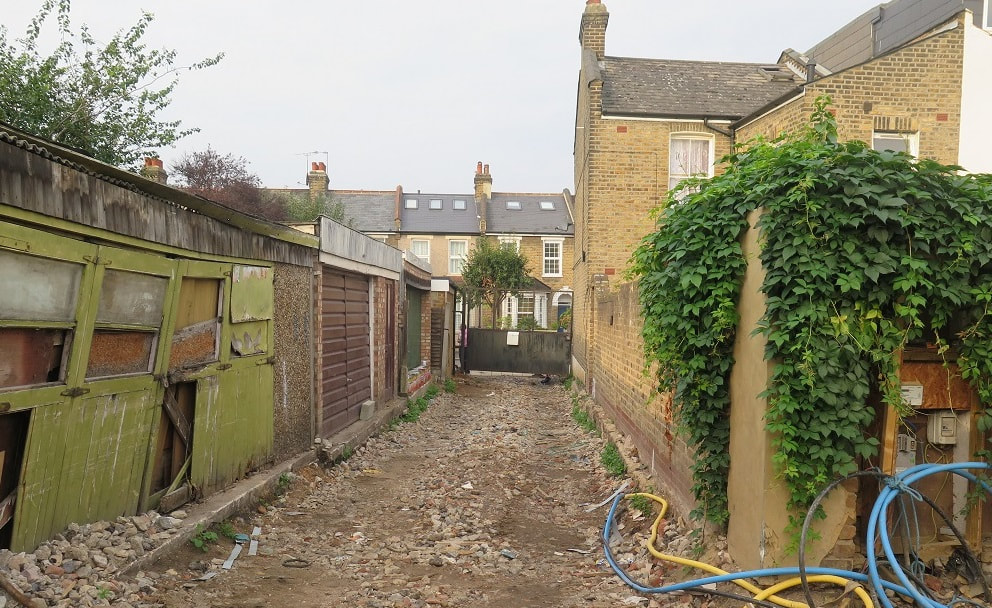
<point x="476" y="504"/>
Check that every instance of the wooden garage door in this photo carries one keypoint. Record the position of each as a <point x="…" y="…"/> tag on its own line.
<point x="346" y="375"/>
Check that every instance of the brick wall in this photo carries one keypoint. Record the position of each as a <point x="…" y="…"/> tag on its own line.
<point x="916" y="88"/>
<point x="630" y="398"/>
<point x="380" y="309"/>
<point x="425" y="326"/>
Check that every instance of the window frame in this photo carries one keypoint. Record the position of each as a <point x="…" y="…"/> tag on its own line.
<point x="912" y="139"/>
<point x="440" y="204"/>
<point x="560" y="258"/>
<point x="427" y="242"/>
<point x="455" y="204"/>
<point x="690" y="136"/>
<point x="411" y="203"/>
<point x="514" y="206"/>
<point x="510" y="240"/>
<point x="453" y="258"/>
<point x="547" y="205"/>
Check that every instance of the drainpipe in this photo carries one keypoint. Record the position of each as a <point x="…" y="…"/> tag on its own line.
<point x="728" y="132"/>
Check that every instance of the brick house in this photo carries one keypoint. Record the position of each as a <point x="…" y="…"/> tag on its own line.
<point x="908" y="75"/>
<point x="441" y="228"/>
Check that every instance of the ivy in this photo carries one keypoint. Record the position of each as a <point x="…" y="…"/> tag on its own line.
<point x="864" y="253"/>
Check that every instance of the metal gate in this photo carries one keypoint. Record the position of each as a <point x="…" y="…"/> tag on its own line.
<point x="346" y="361"/>
<point x="532" y="352"/>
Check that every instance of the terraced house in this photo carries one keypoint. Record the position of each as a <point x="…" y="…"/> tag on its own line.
<point x="442" y="228"/>
<point x="909" y="75"/>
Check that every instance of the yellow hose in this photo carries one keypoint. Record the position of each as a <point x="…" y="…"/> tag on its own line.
<point x="760" y="594"/>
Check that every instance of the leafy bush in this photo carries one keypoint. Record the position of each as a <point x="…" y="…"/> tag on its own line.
<point x="612" y="460"/>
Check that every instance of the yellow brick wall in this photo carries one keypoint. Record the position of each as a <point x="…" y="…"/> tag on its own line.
<point x="916" y="88"/>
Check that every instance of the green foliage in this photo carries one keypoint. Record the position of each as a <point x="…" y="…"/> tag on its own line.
<point x="203" y="538"/>
<point x="302" y="207"/>
<point x="432" y="391"/>
<point x="582" y="418"/>
<point x="347" y="452"/>
<point x="492" y="271"/>
<point x="643" y="504"/>
<point x="864" y="252"/>
<point x="565" y="319"/>
<point x="567" y="382"/>
<point x="282" y="485"/>
<point x="226" y="529"/>
<point x="612" y="460"/>
<point x="526" y="323"/>
<point x="450" y="386"/>
<point x="104" y="593"/>
<point x="102" y="98"/>
<point x="414" y="409"/>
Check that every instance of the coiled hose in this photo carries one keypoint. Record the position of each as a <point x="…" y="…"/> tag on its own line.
<point x="895" y="487"/>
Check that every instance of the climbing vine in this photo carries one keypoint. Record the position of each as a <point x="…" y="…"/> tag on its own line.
<point x="864" y="253"/>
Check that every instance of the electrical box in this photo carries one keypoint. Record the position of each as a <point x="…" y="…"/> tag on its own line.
<point x="905" y="452"/>
<point x="942" y="428"/>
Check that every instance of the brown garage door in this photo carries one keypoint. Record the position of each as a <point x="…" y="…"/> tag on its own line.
<point x="346" y="375"/>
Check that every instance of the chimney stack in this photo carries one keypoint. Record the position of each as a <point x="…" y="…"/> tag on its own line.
<point x="154" y="170"/>
<point x="483" y="192"/>
<point x="317" y="180"/>
<point x="592" y="30"/>
<point x="397" y="219"/>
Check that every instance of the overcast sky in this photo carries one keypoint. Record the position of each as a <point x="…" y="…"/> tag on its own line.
<point x="414" y="93"/>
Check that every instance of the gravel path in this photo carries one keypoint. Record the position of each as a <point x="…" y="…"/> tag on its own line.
<point x="476" y="504"/>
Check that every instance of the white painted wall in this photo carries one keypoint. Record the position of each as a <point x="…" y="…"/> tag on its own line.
<point x="975" y="146"/>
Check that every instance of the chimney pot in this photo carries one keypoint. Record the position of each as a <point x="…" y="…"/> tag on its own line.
<point x="478" y="168"/>
<point x="485" y="169"/>
<point x="321" y="167"/>
<point x="313" y="166"/>
<point x="594" y="2"/>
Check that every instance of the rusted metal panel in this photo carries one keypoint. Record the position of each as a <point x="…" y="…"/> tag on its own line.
<point x="114" y="353"/>
<point x="251" y="293"/>
<point x="346" y="350"/>
<point x="30" y="356"/>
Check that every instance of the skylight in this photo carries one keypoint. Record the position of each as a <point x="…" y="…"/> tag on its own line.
<point x="513" y="204"/>
<point x="547" y="206"/>
<point x="411" y="203"/>
<point x="435" y="203"/>
<point x="458" y="204"/>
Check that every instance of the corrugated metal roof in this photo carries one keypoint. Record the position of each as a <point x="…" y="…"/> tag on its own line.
<point x="530" y="218"/>
<point x="690" y="89"/>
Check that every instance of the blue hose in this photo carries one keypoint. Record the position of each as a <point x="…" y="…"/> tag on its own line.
<point x="900" y="484"/>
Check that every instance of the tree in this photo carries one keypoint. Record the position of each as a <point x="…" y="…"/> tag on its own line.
<point x="226" y="179"/>
<point x="102" y="99"/>
<point x="305" y="207"/>
<point x="492" y="271"/>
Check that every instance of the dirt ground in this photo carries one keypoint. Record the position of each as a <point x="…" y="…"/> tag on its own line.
<point x="476" y="504"/>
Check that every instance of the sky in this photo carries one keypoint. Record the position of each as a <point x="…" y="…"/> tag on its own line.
<point x="395" y="92"/>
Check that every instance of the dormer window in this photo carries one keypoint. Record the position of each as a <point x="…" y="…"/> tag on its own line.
<point x="458" y="204"/>
<point x="411" y="203"/>
<point x="513" y="205"/>
<point x="435" y="203"/>
<point x="547" y="206"/>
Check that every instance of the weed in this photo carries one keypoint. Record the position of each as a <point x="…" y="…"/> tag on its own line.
<point x="449" y="386"/>
<point x="226" y="529"/>
<point x="583" y="419"/>
<point x="347" y="452"/>
<point x="104" y="593"/>
<point x="432" y="392"/>
<point x="414" y="409"/>
<point x="203" y="538"/>
<point x="612" y="461"/>
<point x="643" y="504"/>
<point x="567" y="382"/>
<point x="285" y="480"/>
